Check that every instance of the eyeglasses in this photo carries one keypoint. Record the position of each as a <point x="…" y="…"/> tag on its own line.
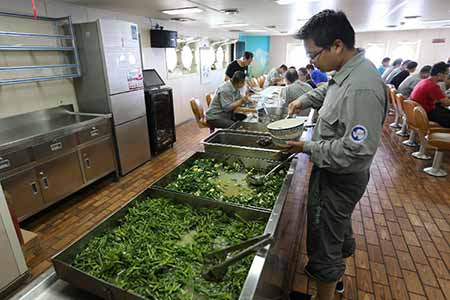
<point x="315" y="55"/>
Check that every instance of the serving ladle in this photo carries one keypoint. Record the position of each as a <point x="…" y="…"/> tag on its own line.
<point x="258" y="179"/>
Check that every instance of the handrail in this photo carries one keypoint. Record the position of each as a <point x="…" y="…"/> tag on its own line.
<point x="29" y="34"/>
<point x="34" y="48"/>
<point x="39" y="67"/>
<point x="34" y="79"/>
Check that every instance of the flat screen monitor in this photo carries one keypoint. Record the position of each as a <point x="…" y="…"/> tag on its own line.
<point x="152" y="79"/>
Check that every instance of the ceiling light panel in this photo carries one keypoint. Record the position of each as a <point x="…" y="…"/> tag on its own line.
<point x="233" y="25"/>
<point x="182" y="11"/>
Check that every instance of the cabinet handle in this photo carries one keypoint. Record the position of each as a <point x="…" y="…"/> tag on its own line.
<point x="87" y="162"/>
<point x="94" y="131"/>
<point x="45" y="182"/>
<point x="56" y="146"/>
<point x="34" y="188"/>
<point x="4" y="163"/>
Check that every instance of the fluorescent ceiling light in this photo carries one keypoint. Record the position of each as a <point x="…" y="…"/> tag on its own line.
<point x="182" y="11"/>
<point x="255" y="30"/>
<point x="233" y="25"/>
<point x="436" y="21"/>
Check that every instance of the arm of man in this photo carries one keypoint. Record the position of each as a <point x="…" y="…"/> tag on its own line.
<point x="364" y="114"/>
<point x="445" y="101"/>
<point x="313" y="98"/>
<point x="229" y="103"/>
<point x="437" y="93"/>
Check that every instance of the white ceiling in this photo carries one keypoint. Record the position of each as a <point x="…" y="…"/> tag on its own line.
<point x="365" y="15"/>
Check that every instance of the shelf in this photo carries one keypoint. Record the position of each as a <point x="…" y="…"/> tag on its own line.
<point x="39" y="67"/>
<point x="34" y="48"/>
<point x="35" y="35"/>
<point x="25" y="80"/>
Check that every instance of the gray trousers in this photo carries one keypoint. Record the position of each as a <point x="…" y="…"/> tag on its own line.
<point x="331" y="201"/>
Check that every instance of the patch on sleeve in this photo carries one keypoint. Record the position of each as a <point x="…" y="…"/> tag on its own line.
<point x="359" y="133"/>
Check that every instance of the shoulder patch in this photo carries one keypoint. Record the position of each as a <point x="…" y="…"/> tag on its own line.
<point x="359" y="133"/>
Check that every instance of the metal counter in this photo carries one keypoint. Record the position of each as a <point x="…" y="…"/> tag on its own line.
<point x="37" y="127"/>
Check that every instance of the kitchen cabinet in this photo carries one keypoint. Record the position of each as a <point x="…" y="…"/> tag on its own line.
<point x="60" y="177"/>
<point x="22" y="191"/>
<point x="98" y="159"/>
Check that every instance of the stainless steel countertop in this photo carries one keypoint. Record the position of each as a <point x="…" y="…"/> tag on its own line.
<point x="38" y="127"/>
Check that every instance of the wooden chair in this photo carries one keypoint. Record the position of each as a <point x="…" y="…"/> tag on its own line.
<point x="261" y="80"/>
<point x="408" y="107"/>
<point x="393" y="99"/>
<point x="208" y="99"/>
<point x="404" y="130"/>
<point x="199" y="113"/>
<point x="254" y="82"/>
<point x="433" y="137"/>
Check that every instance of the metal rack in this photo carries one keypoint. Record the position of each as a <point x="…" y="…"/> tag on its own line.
<point x="67" y="36"/>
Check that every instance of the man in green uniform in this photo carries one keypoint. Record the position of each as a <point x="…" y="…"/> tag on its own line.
<point x="347" y="134"/>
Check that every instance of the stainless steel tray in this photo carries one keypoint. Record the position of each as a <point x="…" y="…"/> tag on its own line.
<point x="105" y="290"/>
<point x="231" y="141"/>
<point x="250" y="127"/>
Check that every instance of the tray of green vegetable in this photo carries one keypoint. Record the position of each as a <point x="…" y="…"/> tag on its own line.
<point x="153" y="248"/>
<point x="224" y="178"/>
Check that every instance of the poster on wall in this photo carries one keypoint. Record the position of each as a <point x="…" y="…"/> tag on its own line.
<point x="205" y="66"/>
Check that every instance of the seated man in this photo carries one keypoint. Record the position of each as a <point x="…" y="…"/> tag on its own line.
<point x="317" y="76"/>
<point x="275" y="76"/>
<point x="303" y="76"/>
<point x="428" y="94"/>
<point x="226" y="99"/>
<point x="295" y="88"/>
<point x="398" y="79"/>
<point x="395" y="65"/>
<point x="408" y="85"/>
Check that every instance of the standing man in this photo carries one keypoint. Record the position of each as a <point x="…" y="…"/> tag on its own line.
<point x="276" y="75"/>
<point x="384" y="64"/>
<point x="316" y="75"/>
<point x="398" y="79"/>
<point x="239" y="65"/>
<point x="396" y="64"/>
<point x="428" y="94"/>
<point x="347" y="134"/>
<point x="408" y="85"/>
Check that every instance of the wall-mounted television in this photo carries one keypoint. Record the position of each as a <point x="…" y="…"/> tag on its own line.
<point x="163" y="38"/>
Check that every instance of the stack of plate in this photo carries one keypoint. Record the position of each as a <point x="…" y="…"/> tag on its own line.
<point x="286" y="130"/>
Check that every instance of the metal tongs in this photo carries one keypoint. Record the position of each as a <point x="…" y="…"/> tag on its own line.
<point x="217" y="272"/>
<point x="259" y="179"/>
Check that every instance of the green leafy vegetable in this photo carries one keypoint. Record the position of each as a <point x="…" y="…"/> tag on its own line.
<point x="209" y="178"/>
<point x="157" y="251"/>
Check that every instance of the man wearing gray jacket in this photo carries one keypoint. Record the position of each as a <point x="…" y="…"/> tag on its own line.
<point x="346" y="137"/>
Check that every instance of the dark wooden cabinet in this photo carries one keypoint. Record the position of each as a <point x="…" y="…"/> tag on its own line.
<point x="98" y="159"/>
<point x="60" y="177"/>
<point x="22" y="191"/>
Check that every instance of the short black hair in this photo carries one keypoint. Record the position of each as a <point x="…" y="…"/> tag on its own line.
<point x="284" y="67"/>
<point x="327" y="26"/>
<point x="386" y="59"/>
<point x="425" y="69"/>
<point x="248" y="55"/>
<point x="310" y="67"/>
<point x="238" y="77"/>
<point x="291" y="75"/>
<point x="406" y="62"/>
<point x="303" y="71"/>
<point x="411" y="65"/>
<point x="292" y="67"/>
<point x="440" y="67"/>
<point x="397" y="62"/>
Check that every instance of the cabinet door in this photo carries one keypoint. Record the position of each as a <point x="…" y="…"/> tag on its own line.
<point x="23" y="193"/>
<point x="98" y="159"/>
<point x="60" y="177"/>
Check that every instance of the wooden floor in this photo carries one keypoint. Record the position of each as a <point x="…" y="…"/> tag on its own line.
<point x="401" y="224"/>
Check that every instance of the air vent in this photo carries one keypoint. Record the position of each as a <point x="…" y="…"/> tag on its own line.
<point x="235" y="30"/>
<point x="412" y="17"/>
<point x="182" y="19"/>
<point x="271" y="26"/>
<point x="283" y="31"/>
<point x="230" y="11"/>
<point x="391" y="26"/>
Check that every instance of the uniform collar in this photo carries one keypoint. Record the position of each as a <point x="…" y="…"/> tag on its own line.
<point x="349" y="66"/>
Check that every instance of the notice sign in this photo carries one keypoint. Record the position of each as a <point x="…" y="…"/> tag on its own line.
<point x="438" y="41"/>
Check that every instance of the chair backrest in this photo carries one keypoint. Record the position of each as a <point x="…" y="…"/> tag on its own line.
<point x="261" y="80"/>
<point x="400" y="99"/>
<point x="208" y="99"/>
<point x="392" y="96"/>
<point x="421" y="118"/>
<point x="408" y="107"/>
<point x="254" y="82"/>
<point x="197" y="109"/>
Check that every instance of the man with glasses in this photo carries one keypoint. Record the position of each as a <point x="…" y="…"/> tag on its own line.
<point x="428" y="94"/>
<point x="352" y="111"/>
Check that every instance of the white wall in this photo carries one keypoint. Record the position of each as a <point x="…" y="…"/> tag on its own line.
<point x="22" y="98"/>
<point x="428" y="53"/>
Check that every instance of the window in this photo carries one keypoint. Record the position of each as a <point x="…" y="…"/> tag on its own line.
<point x="296" y="55"/>
<point x="406" y="50"/>
<point x="184" y="59"/>
<point x="375" y="52"/>
<point x="172" y="59"/>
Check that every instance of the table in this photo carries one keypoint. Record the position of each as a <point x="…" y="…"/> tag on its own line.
<point x="268" y="96"/>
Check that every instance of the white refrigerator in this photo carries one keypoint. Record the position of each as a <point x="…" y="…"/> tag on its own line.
<point x="112" y="82"/>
